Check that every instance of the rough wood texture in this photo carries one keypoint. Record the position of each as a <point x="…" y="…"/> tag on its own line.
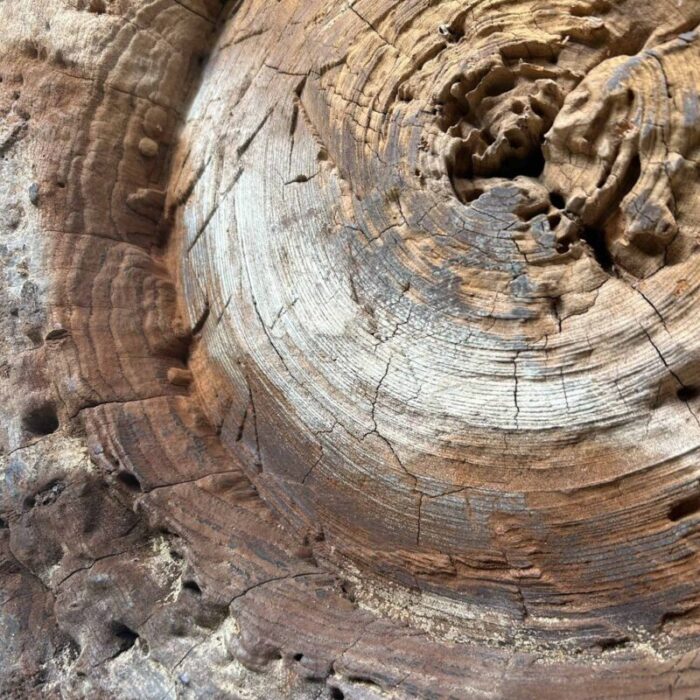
<point x="349" y="349"/>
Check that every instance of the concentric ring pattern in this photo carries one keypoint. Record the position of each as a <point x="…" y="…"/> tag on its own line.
<point x="443" y="260"/>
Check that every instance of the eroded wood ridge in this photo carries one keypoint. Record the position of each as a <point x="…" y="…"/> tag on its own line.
<point x="350" y="349"/>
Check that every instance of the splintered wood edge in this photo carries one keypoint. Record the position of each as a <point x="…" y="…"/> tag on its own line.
<point x="137" y="556"/>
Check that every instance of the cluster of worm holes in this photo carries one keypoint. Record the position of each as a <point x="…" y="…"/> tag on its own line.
<point x="525" y="157"/>
<point x="522" y="142"/>
<point x="528" y="103"/>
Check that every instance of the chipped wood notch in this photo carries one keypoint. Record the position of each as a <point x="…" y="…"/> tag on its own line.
<point x="349" y="349"/>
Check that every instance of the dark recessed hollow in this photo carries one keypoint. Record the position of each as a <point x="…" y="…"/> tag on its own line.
<point x="554" y="221"/>
<point x="193" y="586"/>
<point x="57" y="334"/>
<point x="595" y="238"/>
<point x="470" y="195"/>
<point x="129" y="480"/>
<point x="41" y="420"/>
<point x="613" y="643"/>
<point x="530" y="166"/>
<point x="688" y="393"/>
<point x="126" y="637"/>
<point x="630" y="178"/>
<point x="557" y="200"/>
<point x="685" y="508"/>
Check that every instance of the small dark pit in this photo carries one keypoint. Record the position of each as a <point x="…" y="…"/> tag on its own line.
<point x="688" y="393"/>
<point x="126" y="637"/>
<point x="192" y="586"/>
<point x="685" y="509"/>
<point x="557" y="200"/>
<point x="41" y="420"/>
<point x="129" y="480"/>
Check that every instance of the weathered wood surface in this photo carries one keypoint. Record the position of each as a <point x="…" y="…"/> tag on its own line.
<point x="349" y="349"/>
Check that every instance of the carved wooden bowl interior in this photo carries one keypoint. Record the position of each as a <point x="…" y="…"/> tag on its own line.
<point x="350" y="349"/>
